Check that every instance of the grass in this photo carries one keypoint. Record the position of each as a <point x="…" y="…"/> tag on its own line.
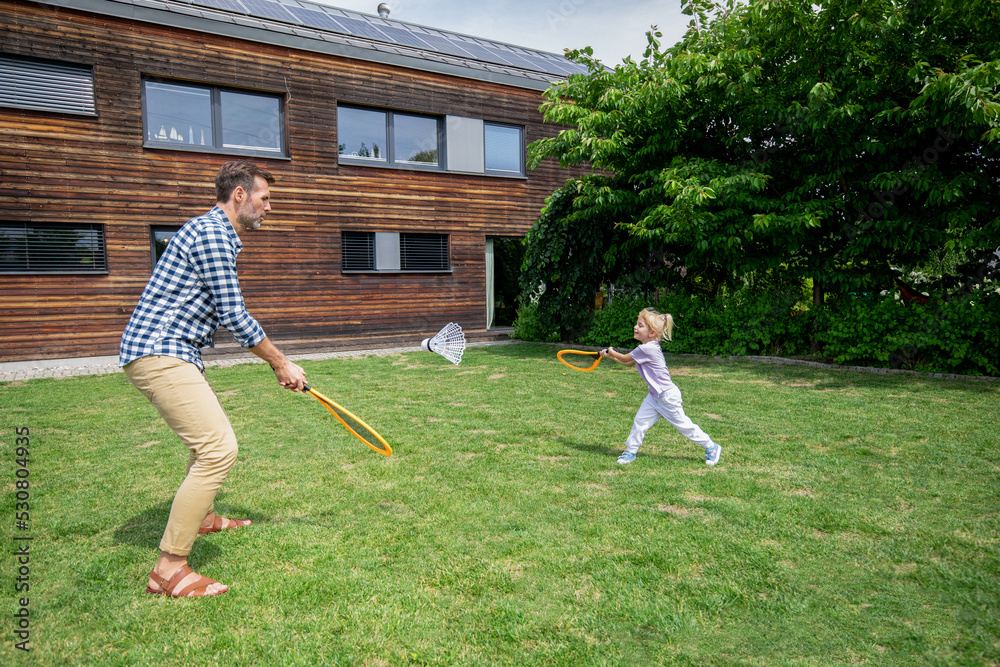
<point x="852" y="519"/>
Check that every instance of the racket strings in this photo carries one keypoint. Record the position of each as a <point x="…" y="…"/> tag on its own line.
<point x="352" y="423"/>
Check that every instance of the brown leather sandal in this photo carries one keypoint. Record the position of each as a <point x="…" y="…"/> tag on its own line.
<point x="193" y="590"/>
<point x="217" y="525"/>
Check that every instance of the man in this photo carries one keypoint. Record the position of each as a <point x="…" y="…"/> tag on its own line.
<point x="193" y="291"/>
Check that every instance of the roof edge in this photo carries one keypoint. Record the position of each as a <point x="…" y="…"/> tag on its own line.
<point x="299" y="39"/>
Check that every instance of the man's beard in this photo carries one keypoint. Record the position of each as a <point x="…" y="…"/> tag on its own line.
<point x="245" y="220"/>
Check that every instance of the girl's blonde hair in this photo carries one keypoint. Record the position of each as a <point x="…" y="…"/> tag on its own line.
<point x="662" y="325"/>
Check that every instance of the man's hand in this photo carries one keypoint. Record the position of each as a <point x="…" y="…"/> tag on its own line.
<point x="290" y="376"/>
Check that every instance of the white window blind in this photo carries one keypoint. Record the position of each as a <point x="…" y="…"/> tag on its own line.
<point x="46" y="86"/>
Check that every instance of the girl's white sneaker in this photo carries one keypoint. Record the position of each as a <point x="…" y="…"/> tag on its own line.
<point x="626" y="457"/>
<point x="712" y="454"/>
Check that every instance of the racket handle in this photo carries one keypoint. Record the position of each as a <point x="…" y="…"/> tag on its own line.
<point x="306" y="387"/>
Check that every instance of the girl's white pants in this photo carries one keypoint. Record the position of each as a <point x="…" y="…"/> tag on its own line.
<point x="668" y="405"/>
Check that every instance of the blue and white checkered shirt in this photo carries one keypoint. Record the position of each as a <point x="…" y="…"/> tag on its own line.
<point x="193" y="291"/>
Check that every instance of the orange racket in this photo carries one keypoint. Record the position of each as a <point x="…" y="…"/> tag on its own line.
<point x="352" y="423"/>
<point x="581" y="368"/>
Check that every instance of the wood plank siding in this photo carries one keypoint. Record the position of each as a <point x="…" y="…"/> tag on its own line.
<point x="57" y="168"/>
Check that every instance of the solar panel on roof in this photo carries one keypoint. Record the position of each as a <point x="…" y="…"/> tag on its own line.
<point x="271" y="10"/>
<point x="230" y="5"/>
<point x="513" y="58"/>
<point x="363" y="29"/>
<point x="315" y="19"/>
<point x="558" y="66"/>
<point x="352" y="24"/>
<point x="443" y="45"/>
<point x="483" y="53"/>
<point x="404" y="37"/>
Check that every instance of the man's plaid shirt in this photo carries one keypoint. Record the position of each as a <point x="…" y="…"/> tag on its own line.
<point x="193" y="291"/>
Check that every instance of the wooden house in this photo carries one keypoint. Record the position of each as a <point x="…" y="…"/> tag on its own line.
<point x="399" y="152"/>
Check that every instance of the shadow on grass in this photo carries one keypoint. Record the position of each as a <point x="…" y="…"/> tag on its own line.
<point x="608" y="451"/>
<point x="145" y="529"/>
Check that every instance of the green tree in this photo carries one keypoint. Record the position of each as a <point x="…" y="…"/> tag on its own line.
<point x="831" y="142"/>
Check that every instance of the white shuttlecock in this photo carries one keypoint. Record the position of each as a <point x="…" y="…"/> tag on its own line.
<point x="449" y="343"/>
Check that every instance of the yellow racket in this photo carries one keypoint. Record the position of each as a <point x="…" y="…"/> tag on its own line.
<point x="559" y="355"/>
<point x="352" y="423"/>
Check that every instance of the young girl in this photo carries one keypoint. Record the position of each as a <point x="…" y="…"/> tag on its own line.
<point x="664" y="398"/>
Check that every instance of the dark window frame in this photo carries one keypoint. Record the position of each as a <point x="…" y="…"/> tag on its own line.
<point x="155" y="253"/>
<point x="361" y="243"/>
<point x="417" y="253"/>
<point x="39" y="258"/>
<point x="217" y="147"/>
<point x="410" y="239"/>
<point x="522" y="161"/>
<point x="390" y="148"/>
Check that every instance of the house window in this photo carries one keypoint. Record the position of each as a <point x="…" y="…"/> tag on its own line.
<point x="159" y="237"/>
<point x="474" y="146"/>
<point x="26" y="248"/>
<point x="361" y="134"/>
<point x="392" y="252"/>
<point x="374" y="136"/>
<point x="212" y="119"/>
<point x="423" y="252"/>
<point x="504" y="149"/>
<point x="415" y="140"/>
<point x="358" y="251"/>
<point x="46" y="86"/>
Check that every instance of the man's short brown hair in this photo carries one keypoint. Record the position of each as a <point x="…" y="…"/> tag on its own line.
<point x="238" y="174"/>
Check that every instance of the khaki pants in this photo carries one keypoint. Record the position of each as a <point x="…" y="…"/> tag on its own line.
<point x="181" y="393"/>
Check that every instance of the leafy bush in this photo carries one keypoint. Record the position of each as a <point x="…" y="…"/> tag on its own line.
<point x="612" y="326"/>
<point x="529" y="326"/>
<point x="957" y="336"/>
<point x="563" y="261"/>
<point x="743" y="324"/>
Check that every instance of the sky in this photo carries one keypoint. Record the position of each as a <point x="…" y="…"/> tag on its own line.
<point x="614" y="28"/>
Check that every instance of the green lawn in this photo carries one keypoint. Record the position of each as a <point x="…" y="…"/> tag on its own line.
<point x="853" y="519"/>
